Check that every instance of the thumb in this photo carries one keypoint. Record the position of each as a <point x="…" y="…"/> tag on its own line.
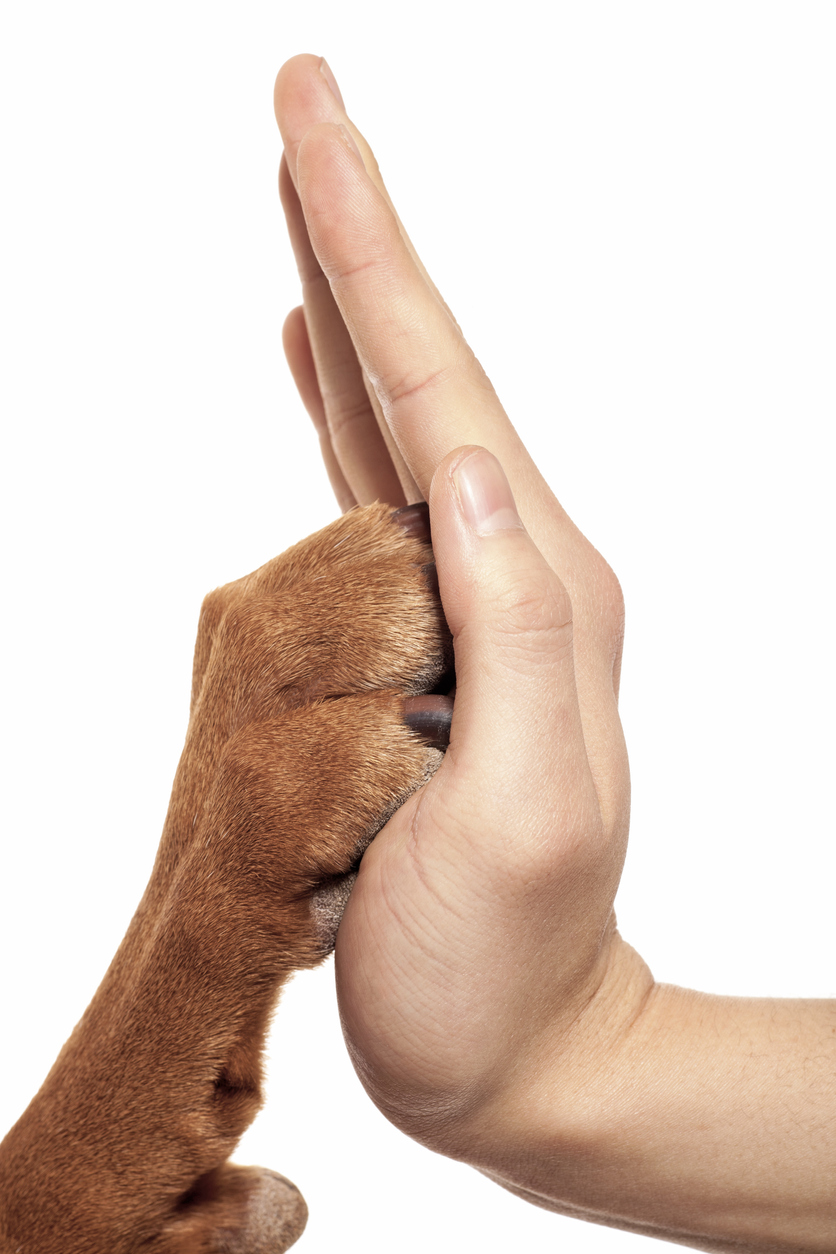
<point x="517" y="746"/>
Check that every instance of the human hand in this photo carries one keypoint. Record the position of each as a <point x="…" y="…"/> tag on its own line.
<point x="481" y="934"/>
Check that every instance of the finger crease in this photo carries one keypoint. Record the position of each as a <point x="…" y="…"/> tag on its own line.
<point x="403" y="391"/>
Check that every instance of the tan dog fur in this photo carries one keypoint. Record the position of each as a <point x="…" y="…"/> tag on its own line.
<point x="295" y="754"/>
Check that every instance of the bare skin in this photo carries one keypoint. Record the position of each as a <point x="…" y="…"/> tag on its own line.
<point x="489" y="1003"/>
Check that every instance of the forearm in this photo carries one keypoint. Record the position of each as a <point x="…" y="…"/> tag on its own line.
<point x="705" y="1120"/>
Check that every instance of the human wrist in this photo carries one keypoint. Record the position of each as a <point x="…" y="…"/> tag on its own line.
<point x="699" y="1119"/>
<point x="547" y="1100"/>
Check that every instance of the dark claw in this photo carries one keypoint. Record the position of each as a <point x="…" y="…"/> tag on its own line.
<point x="415" y="520"/>
<point x="430" y="717"/>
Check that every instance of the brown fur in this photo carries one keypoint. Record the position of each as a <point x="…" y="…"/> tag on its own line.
<point x="296" y="752"/>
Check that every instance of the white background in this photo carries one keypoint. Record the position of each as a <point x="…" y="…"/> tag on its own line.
<point x="630" y="208"/>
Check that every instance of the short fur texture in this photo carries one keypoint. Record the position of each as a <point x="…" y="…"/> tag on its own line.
<point x="296" y="752"/>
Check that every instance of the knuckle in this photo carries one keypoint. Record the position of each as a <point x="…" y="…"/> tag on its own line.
<point x="370" y="261"/>
<point x="414" y="383"/>
<point x="536" y="610"/>
<point x="344" y="410"/>
<point x="235" y="630"/>
<point x="550" y="845"/>
<point x="453" y="360"/>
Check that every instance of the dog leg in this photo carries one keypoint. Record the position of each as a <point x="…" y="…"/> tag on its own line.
<point x="297" y="751"/>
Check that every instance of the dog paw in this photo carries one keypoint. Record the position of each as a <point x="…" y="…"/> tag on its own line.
<point x="316" y="711"/>
<point x="352" y="608"/>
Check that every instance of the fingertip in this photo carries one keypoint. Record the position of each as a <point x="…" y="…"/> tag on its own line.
<point x="291" y="73"/>
<point x="294" y="329"/>
<point x="302" y="97"/>
<point x="297" y="350"/>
